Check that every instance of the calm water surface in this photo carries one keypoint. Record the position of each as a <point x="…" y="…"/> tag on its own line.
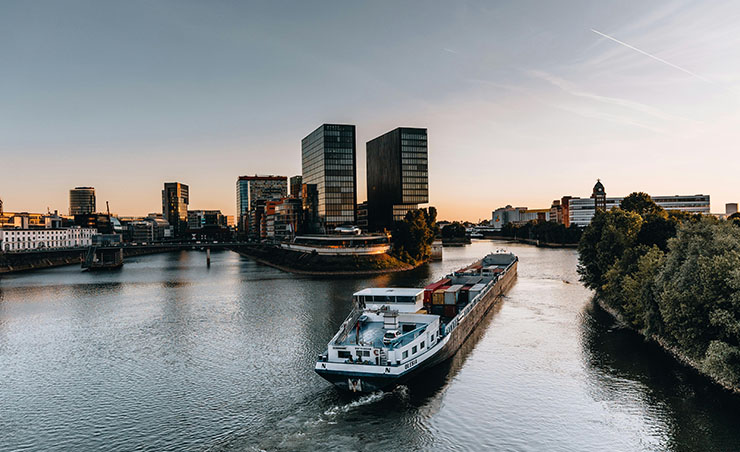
<point x="169" y="355"/>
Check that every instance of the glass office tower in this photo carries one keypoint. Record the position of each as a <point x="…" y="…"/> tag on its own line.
<point x="397" y="175"/>
<point x="82" y="200"/>
<point x="175" y="200"/>
<point x="329" y="163"/>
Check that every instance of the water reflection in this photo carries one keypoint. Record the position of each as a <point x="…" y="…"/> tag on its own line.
<point x="683" y="411"/>
<point x="168" y="354"/>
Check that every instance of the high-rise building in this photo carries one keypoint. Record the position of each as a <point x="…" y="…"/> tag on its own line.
<point x="397" y="175"/>
<point x="175" y="200"/>
<point x="250" y="189"/>
<point x="730" y="208"/>
<point x="81" y="200"/>
<point x="296" y="186"/>
<point x="329" y="162"/>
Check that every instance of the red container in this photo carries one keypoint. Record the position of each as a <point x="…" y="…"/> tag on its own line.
<point x="428" y="290"/>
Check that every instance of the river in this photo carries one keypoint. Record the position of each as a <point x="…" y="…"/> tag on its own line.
<point x="167" y="354"/>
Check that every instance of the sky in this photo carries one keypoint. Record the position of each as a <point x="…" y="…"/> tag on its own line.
<point x="524" y="102"/>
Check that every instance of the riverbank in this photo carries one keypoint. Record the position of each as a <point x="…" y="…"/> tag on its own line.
<point x="38" y="260"/>
<point x="674" y="352"/>
<point x="534" y="242"/>
<point x="319" y="265"/>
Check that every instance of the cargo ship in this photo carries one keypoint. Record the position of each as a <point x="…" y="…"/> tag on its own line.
<point x="394" y="334"/>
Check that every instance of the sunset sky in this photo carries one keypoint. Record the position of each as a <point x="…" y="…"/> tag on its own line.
<point x="524" y="101"/>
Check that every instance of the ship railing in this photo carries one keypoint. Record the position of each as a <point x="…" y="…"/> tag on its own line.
<point x="410" y="336"/>
<point x="347" y="326"/>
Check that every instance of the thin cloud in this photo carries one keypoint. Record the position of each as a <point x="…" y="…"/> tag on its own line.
<point x="693" y="74"/>
<point x="624" y="103"/>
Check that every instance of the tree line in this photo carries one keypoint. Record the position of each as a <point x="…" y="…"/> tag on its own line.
<point x="544" y="231"/>
<point x="672" y="276"/>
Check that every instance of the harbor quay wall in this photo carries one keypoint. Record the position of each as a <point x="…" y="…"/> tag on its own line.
<point x="35" y="260"/>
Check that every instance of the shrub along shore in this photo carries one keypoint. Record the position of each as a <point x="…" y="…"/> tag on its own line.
<point x="673" y="277"/>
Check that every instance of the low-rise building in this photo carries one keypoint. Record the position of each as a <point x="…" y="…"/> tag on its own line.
<point x="18" y="239"/>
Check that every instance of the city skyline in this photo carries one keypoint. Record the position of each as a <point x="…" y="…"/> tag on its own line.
<point x="640" y="96"/>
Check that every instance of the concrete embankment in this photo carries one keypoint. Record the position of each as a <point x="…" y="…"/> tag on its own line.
<point x="18" y="262"/>
<point x="665" y="346"/>
<point x="319" y="265"/>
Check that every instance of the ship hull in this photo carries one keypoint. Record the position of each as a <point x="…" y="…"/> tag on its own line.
<point x="370" y="382"/>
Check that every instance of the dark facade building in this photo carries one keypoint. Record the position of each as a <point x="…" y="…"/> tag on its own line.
<point x="250" y="190"/>
<point x="329" y="162"/>
<point x="99" y="221"/>
<point x="599" y="196"/>
<point x="362" y="216"/>
<point x="296" y="186"/>
<point x="82" y="201"/>
<point x="397" y="175"/>
<point x="175" y="200"/>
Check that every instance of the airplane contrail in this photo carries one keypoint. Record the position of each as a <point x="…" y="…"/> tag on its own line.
<point x="693" y="74"/>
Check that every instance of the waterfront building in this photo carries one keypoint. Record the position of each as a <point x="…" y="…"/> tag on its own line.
<point x="560" y="211"/>
<point x="296" y="186"/>
<point x="175" y="200"/>
<point x="517" y="215"/>
<point x="198" y="219"/>
<point x="328" y="159"/>
<point x="340" y="245"/>
<point x="730" y="208"/>
<point x="361" y="216"/>
<point x="252" y="189"/>
<point x="45" y="239"/>
<point x="581" y="210"/>
<point x="397" y="175"/>
<point x="82" y="201"/>
<point x="99" y="221"/>
<point x="284" y="219"/>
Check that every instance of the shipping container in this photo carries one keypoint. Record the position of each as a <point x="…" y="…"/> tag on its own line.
<point x="452" y="293"/>
<point x="464" y="295"/>
<point x="450" y="310"/>
<point x="438" y="309"/>
<point x="475" y="291"/>
<point x="438" y="297"/>
<point x="429" y="290"/>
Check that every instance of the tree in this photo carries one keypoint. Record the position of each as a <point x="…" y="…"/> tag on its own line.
<point x="640" y="203"/>
<point x="413" y="236"/>
<point x="454" y="230"/>
<point x="603" y="242"/>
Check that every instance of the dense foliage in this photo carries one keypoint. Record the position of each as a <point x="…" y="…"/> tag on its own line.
<point x="672" y="276"/>
<point x="453" y="230"/>
<point x="544" y="231"/>
<point x="414" y="235"/>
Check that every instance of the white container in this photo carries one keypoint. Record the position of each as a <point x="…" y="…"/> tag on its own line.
<point x="452" y="293"/>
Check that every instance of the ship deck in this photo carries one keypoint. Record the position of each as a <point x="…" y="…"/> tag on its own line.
<point x="371" y="334"/>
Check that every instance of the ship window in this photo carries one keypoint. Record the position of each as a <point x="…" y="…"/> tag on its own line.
<point x="344" y="354"/>
<point x="366" y="353"/>
<point x="421" y="345"/>
<point x="405" y="354"/>
<point x="431" y="339"/>
<point x="413" y="350"/>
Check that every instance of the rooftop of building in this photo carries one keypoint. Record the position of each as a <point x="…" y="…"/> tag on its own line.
<point x="390" y="292"/>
